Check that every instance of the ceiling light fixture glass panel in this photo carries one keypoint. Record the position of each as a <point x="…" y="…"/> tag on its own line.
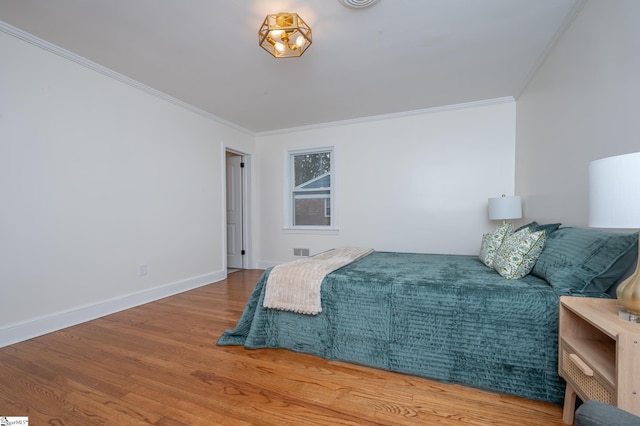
<point x="284" y="35"/>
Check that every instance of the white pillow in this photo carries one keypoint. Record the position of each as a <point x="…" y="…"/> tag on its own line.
<point x="518" y="253"/>
<point x="492" y="241"/>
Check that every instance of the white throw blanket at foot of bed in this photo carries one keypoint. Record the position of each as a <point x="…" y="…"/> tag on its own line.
<point x="295" y="286"/>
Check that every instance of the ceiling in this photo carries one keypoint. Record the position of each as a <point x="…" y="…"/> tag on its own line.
<point x="392" y="57"/>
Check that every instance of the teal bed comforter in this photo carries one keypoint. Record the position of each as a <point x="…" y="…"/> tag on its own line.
<point x="443" y="317"/>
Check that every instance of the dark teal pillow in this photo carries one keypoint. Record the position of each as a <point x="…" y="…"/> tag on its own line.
<point x="535" y="227"/>
<point x="585" y="260"/>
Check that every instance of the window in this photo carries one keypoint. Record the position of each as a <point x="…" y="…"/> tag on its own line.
<point x="311" y="185"/>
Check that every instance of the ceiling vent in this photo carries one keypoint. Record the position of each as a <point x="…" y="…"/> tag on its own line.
<point x="358" y="4"/>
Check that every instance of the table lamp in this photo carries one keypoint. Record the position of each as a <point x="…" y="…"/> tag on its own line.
<point x="614" y="202"/>
<point x="503" y="208"/>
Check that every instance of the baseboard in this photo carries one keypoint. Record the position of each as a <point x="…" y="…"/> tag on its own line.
<point x="18" y="332"/>
<point x="264" y="264"/>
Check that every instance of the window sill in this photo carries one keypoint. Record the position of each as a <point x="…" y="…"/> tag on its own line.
<point x="311" y="231"/>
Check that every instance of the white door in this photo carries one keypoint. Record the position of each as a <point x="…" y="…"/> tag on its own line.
<point x="234" y="211"/>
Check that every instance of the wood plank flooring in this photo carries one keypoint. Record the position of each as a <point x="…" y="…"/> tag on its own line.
<point x="158" y="364"/>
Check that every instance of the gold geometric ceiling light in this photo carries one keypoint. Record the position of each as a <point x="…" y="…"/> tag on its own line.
<point x="284" y="35"/>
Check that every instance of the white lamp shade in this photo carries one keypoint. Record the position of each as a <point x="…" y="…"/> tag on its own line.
<point x="614" y="192"/>
<point x="502" y="208"/>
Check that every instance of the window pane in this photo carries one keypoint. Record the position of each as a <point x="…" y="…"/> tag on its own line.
<point x="310" y="166"/>
<point x="311" y="189"/>
<point x="311" y="212"/>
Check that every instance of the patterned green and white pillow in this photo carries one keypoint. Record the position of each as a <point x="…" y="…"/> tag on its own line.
<point x="492" y="241"/>
<point x="518" y="254"/>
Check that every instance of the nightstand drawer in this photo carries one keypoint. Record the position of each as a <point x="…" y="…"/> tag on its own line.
<point x="589" y="385"/>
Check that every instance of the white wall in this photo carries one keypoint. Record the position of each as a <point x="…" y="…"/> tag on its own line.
<point x="416" y="183"/>
<point x="96" y="178"/>
<point x="580" y="106"/>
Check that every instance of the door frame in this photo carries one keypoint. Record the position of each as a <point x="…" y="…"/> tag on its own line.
<point x="247" y="259"/>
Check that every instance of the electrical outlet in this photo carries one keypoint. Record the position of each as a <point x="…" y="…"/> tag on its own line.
<point x="301" y="252"/>
<point x="142" y="270"/>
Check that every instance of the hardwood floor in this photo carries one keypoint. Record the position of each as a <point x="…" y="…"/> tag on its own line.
<point x="158" y="364"/>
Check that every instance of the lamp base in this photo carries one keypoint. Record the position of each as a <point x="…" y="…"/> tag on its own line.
<point x="628" y="316"/>
<point x="628" y="292"/>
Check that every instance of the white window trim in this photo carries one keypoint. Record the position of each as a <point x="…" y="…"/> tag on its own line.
<point x="288" y="227"/>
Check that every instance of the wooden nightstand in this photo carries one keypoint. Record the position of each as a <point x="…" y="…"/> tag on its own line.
<point x="599" y="354"/>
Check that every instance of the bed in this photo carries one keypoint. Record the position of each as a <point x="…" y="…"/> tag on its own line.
<point x="447" y="317"/>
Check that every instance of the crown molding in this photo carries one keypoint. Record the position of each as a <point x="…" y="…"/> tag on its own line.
<point x="368" y="119"/>
<point x="57" y="50"/>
